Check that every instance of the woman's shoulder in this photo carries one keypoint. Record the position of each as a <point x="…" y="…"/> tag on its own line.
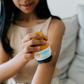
<point x="57" y="22"/>
<point x="57" y="25"/>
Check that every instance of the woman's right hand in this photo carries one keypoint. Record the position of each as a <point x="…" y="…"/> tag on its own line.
<point x="29" y="46"/>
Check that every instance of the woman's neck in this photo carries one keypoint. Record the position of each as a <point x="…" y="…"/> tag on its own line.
<point x="27" y="17"/>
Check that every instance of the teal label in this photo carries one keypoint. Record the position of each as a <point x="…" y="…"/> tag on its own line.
<point x="45" y="52"/>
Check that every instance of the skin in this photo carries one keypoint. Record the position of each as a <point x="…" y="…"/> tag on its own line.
<point x="55" y="46"/>
<point x="19" y="4"/>
<point x="26" y="18"/>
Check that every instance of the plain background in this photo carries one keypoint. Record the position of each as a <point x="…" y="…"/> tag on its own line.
<point x="64" y="8"/>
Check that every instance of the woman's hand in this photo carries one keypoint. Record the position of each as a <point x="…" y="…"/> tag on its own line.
<point x="29" y="46"/>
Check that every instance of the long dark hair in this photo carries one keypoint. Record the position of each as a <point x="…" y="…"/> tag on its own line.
<point x="8" y="14"/>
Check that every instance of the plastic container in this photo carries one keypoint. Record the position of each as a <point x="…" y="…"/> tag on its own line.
<point x="44" y="55"/>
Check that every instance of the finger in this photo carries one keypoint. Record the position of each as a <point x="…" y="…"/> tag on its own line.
<point x="33" y="42"/>
<point x="30" y="36"/>
<point x="37" y="42"/>
<point x="29" y="56"/>
<point x="32" y="49"/>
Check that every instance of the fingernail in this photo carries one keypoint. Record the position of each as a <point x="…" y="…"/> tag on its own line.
<point x="40" y="35"/>
<point x="38" y="48"/>
<point x="44" y="42"/>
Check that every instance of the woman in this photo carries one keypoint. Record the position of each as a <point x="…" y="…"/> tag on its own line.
<point x="20" y="19"/>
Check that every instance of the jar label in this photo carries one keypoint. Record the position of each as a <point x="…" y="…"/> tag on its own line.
<point x="41" y="55"/>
